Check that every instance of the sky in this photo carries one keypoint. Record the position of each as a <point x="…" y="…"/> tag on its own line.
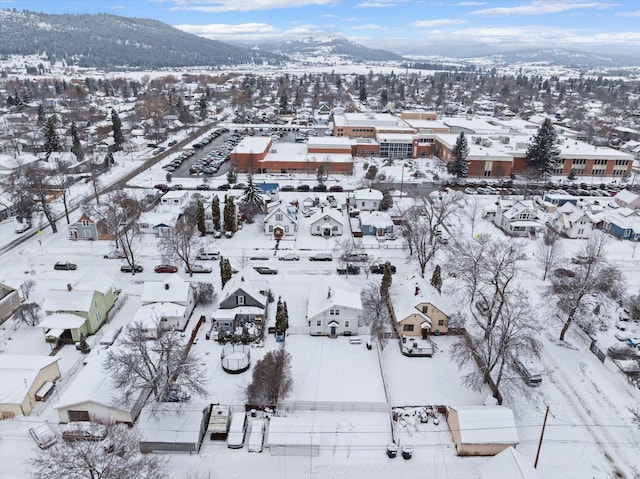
<point x="402" y="26"/>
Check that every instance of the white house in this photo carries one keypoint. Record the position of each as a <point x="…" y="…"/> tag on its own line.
<point x="158" y="223"/>
<point x="517" y="218"/>
<point x="281" y="220"/>
<point x="167" y="303"/>
<point x="572" y="221"/>
<point x="327" y="222"/>
<point x="366" y="199"/>
<point x="333" y="308"/>
<point x="628" y="199"/>
<point x="175" y="198"/>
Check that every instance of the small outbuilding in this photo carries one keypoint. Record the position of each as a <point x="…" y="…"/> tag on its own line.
<point x="509" y="464"/>
<point x="482" y="430"/>
<point x="172" y="427"/>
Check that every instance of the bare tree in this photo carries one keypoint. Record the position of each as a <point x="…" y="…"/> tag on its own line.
<point x="346" y="247"/>
<point x="29" y="313"/>
<point x="423" y="223"/>
<point x="165" y="365"/>
<point x="549" y="252"/>
<point x="271" y="380"/>
<point x="180" y="243"/>
<point x="27" y="287"/>
<point x="60" y="179"/>
<point x="375" y="314"/>
<point x="578" y="294"/>
<point x="472" y="211"/>
<point x="116" y="457"/>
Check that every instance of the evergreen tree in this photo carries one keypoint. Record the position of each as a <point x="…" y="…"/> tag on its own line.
<point x="387" y="201"/>
<point x="251" y="193"/>
<point x="386" y="281"/>
<point x="321" y="174"/>
<point x="51" y="139"/>
<point x="225" y="271"/>
<point x="229" y="214"/>
<point x="232" y="176"/>
<point x="84" y="346"/>
<point x="215" y="212"/>
<point x="459" y="166"/>
<point x="542" y="154"/>
<point x="285" y="316"/>
<point x="203" y="106"/>
<point x="371" y="173"/>
<point x="279" y="329"/>
<point x="108" y="160"/>
<point x="436" y="278"/>
<point x="41" y="118"/>
<point x="200" y="219"/>
<point x="116" y="125"/>
<point x="284" y="102"/>
<point x="76" y="147"/>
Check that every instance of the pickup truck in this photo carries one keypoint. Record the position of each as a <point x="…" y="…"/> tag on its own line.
<point x="349" y="269"/>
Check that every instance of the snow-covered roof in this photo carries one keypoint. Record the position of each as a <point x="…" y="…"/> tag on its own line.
<point x="17" y="373"/>
<point x="623" y="217"/>
<point x="486" y="425"/>
<point x="172" y="290"/>
<point x="508" y="464"/>
<point x="149" y="315"/>
<point x="63" y="300"/>
<point x="367" y="194"/>
<point x="331" y="213"/>
<point x="222" y="314"/>
<point x="252" y="144"/>
<point x="62" y="321"/>
<point x="626" y="197"/>
<point x="379" y="219"/>
<point x="330" y="292"/>
<point x="171" y="423"/>
<point x="404" y="299"/>
<point x="286" y="210"/>
<point x="249" y="281"/>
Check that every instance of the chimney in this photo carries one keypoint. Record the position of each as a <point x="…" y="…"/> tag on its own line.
<point x="417" y="290"/>
<point x="69" y="288"/>
<point x="329" y="293"/>
<point x="166" y="285"/>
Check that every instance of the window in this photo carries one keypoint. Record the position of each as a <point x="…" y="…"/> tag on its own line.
<point x="318" y="229"/>
<point x="334" y="312"/>
<point x="335" y="228"/>
<point x="85" y="222"/>
<point x="278" y="216"/>
<point x="363" y="204"/>
<point x="270" y="228"/>
<point x="318" y="323"/>
<point x="407" y="327"/>
<point x="87" y="234"/>
<point x="240" y="300"/>
<point x="441" y="322"/>
<point x="286" y="229"/>
<point x="425" y="309"/>
<point x="346" y="324"/>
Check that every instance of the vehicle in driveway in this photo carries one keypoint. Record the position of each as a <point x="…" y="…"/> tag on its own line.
<point x="128" y="269"/>
<point x="198" y="268"/>
<point x="84" y="431"/>
<point x="320" y="187"/>
<point x="161" y="187"/>
<point x="321" y="257"/>
<point x="287" y="188"/>
<point x="114" y="254"/>
<point x="349" y="269"/>
<point x="265" y="270"/>
<point x="379" y="268"/>
<point x="65" y="266"/>
<point x="289" y="257"/>
<point x="165" y="268"/>
<point x="43" y="435"/>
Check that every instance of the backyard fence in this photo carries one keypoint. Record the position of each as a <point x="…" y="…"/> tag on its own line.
<point x="334" y="406"/>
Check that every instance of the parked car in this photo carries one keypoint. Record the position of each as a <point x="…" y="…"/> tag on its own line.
<point x="84" y="431"/>
<point x="65" y="266"/>
<point x="349" y="269"/>
<point x="287" y="188"/>
<point x="177" y="186"/>
<point x="303" y="188"/>
<point x="379" y="268"/>
<point x="161" y="187"/>
<point x="320" y="187"/>
<point x="482" y="306"/>
<point x="224" y="187"/>
<point x="172" y="143"/>
<point x="336" y="188"/>
<point x="265" y="270"/>
<point x="128" y="269"/>
<point x="165" y="268"/>
<point x="114" y="254"/>
<point x="43" y="435"/>
<point x="321" y="257"/>
<point x="289" y="257"/>
<point x="198" y="268"/>
<point x="202" y="186"/>
<point x="206" y="255"/>
<point x="239" y="186"/>
<point x="529" y="371"/>
<point x="355" y="257"/>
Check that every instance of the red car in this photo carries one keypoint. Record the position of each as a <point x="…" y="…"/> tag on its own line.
<point x="162" y="187"/>
<point x="165" y="268"/>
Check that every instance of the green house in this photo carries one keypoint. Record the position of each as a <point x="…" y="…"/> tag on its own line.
<point x="79" y="308"/>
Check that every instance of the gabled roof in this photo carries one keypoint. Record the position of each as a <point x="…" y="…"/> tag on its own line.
<point x="367" y="194"/>
<point x="172" y="290"/>
<point x="331" y="292"/>
<point x="149" y="315"/>
<point x="404" y="298"/>
<point x="248" y="281"/>
<point x="379" y="219"/>
<point x="518" y="207"/>
<point x="288" y="211"/>
<point x="17" y="373"/>
<point x="626" y="196"/>
<point x="508" y="464"/>
<point x="332" y="213"/>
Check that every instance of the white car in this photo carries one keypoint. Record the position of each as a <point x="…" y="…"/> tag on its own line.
<point x="289" y="257"/>
<point x="115" y="254"/>
<point x="198" y="268"/>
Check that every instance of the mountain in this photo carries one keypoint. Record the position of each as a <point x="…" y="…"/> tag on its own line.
<point x="332" y="46"/>
<point x="110" y="41"/>
<point x="562" y="57"/>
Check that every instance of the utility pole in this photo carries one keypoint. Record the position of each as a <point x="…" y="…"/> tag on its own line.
<point x="544" y="424"/>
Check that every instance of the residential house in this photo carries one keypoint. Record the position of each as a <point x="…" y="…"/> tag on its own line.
<point x="623" y="223"/>
<point x="508" y="464"/>
<point x="158" y="222"/>
<point x="627" y="199"/>
<point x="482" y="430"/>
<point x="135" y="144"/>
<point x="10" y="300"/>
<point x="165" y="305"/>
<point x="21" y="377"/>
<point x="327" y="222"/>
<point x="272" y="190"/>
<point x="175" y="198"/>
<point x="333" y="308"/>
<point x="89" y="228"/>
<point x="376" y="223"/>
<point x="281" y="220"/>
<point x="79" y="309"/>
<point x="92" y="395"/>
<point x="572" y="221"/>
<point x="417" y="309"/>
<point x="366" y="199"/>
<point x="518" y="217"/>
<point x="243" y="301"/>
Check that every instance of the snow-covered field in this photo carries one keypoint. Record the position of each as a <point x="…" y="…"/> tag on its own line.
<point x="588" y="434"/>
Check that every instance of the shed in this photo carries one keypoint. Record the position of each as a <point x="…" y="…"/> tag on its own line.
<point x="292" y="436"/>
<point x="172" y="427"/>
<point x="482" y="430"/>
<point x="508" y="464"/>
<point x="21" y="377"/>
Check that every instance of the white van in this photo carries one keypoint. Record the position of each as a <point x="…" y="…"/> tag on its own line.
<point x="208" y="255"/>
<point x="43" y="435"/>
<point x="256" y="438"/>
<point x="235" y="437"/>
<point x="529" y="371"/>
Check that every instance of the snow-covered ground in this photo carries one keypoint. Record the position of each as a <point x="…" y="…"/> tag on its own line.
<point x="588" y="434"/>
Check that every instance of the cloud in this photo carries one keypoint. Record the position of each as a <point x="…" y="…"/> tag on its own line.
<point x="369" y="26"/>
<point x="210" y="6"/>
<point x="469" y="4"/>
<point x="223" y="29"/>
<point x="380" y="4"/>
<point x="540" y="7"/>
<point x="437" y="23"/>
<point x="629" y="14"/>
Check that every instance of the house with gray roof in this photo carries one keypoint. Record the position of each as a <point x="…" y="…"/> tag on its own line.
<point x="281" y="220"/>
<point x="327" y="222"/>
<point x="243" y="300"/>
<point x="518" y="217"/>
<point x="571" y="221"/>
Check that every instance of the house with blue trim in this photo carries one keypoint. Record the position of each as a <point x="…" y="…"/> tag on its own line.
<point x="623" y="223"/>
<point x="376" y="223"/>
<point x="270" y="189"/>
<point x="281" y="220"/>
